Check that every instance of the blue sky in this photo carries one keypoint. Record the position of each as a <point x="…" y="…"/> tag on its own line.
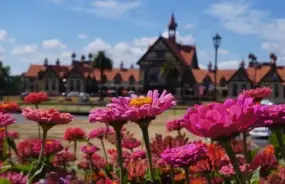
<point x="31" y="30"/>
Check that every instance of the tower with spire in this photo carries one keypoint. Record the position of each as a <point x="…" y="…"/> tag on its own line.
<point x="172" y="28"/>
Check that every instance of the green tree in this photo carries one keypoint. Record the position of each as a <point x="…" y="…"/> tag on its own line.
<point x="102" y="62"/>
<point x="4" y="78"/>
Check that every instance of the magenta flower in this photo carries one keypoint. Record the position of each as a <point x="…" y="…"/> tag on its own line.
<point x="184" y="156"/>
<point x="89" y="149"/>
<point x="139" y="154"/>
<point x="258" y="93"/>
<point x="130" y="143"/>
<point x="15" y="178"/>
<point x="6" y="120"/>
<point x="272" y="115"/>
<point x="140" y="107"/>
<point x="106" y="115"/>
<point x="222" y="120"/>
<point x="228" y="170"/>
<point x="100" y="132"/>
<point x="47" y="116"/>
<point x="175" y="124"/>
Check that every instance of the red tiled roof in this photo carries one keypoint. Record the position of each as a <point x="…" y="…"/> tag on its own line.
<point x="184" y="52"/>
<point x="256" y="75"/>
<point x="33" y="70"/>
<point x="201" y="74"/>
<point x="85" y="70"/>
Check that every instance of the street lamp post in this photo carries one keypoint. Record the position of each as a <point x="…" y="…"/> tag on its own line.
<point x="216" y="40"/>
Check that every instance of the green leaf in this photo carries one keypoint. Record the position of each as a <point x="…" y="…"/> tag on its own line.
<point x="11" y="143"/>
<point x="125" y="173"/>
<point x="255" y="177"/>
<point x="4" y="181"/>
<point x="253" y="153"/>
<point x="109" y="170"/>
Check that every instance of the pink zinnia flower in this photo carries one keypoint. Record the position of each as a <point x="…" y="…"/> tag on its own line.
<point x="9" y="107"/>
<point x="98" y="161"/>
<point x="185" y="156"/>
<point x="47" y="116"/>
<point x="106" y="115"/>
<point x="130" y="143"/>
<point x="13" y="134"/>
<point x="89" y="149"/>
<point x="265" y="159"/>
<point x="30" y="148"/>
<point x="228" y="170"/>
<point x="114" y="154"/>
<point x="100" y="132"/>
<point x="139" y="154"/>
<point x="15" y="178"/>
<point x="6" y="120"/>
<point x="259" y="93"/>
<point x="272" y="115"/>
<point x="175" y="124"/>
<point x="63" y="157"/>
<point x="222" y="120"/>
<point x="140" y="107"/>
<point x="36" y="98"/>
<point x="74" y="134"/>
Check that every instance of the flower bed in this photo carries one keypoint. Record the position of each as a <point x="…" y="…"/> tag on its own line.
<point x="229" y="158"/>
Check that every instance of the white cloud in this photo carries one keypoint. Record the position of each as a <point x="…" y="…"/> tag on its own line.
<point x="53" y="44"/>
<point x="82" y="36"/>
<point x="242" y="18"/>
<point x="223" y="51"/>
<point x="24" y="49"/>
<point x="3" y="35"/>
<point x="189" y="26"/>
<point x="187" y="39"/>
<point x="113" y="8"/>
<point x="233" y="64"/>
<point x="129" y="52"/>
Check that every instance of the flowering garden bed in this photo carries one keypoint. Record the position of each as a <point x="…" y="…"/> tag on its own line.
<point x="163" y="159"/>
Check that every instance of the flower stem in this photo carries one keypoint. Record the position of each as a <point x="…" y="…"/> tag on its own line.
<point x="172" y="175"/>
<point x="208" y="178"/>
<point x="144" y="127"/>
<point x="9" y="147"/>
<point x="104" y="149"/>
<point x="40" y="160"/>
<point x="246" y="156"/>
<point x="280" y="141"/>
<point x="39" y="128"/>
<point x="118" y="127"/>
<point x="186" y="169"/>
<point x="234" y="162"/>
<point x="75" y="150"/>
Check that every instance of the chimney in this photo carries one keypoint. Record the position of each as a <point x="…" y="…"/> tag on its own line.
<point x="273" y="58"/>
<point x="45" y="62"/>
<point x="132" y="66"/>
<point x="82" y="58"/>
<point x="122" y="65"/>
<point x="242" y="64"/>
<point x="210" y="67"/>
<point x="57" y="63"/>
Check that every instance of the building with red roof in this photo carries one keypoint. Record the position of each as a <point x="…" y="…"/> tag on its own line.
<point x="165" y="65"/>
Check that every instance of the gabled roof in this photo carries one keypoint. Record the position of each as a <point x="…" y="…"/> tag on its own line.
<point x="85" y="70"/>
<point x="201" y="74"/>
<point x="184" y="53"/>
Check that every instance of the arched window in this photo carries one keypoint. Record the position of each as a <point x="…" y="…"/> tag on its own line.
<point x="117" y="79"/>
<point x="132" y="80"/>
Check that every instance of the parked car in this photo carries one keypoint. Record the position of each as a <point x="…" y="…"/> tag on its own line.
<point x="84" y="97"/>
<point x="73" y="94"/>
<point x="23" y="95"/>
<point x="261" y="132"/>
